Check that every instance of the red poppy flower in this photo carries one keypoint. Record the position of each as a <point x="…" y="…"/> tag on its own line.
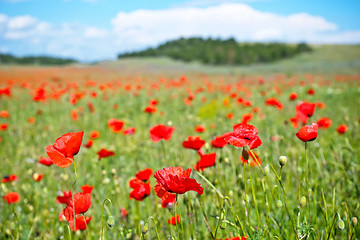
<point x="246" y="117"/>
<point x="9" y="178"/>
<point x="153" y="102"/>
<point x="40" y="95"/>
<point x="200" y="129"/>
<point x="3" y="126"/>
<point x="167" y="199"/>
<point x="305" y="108"/>
<point x="45" y="161"/>
<point x="205" y="161"/>
<point x="274" y="102"/>
<point x="4" y="114"/>
<point x="253" y="161"/>
<point x="74" y="115"/>
<point x="293" y="96"/>
<point x="82" y="203"/>
<point x="320" y="105"/>
<point x="161" y="131"/>
<point x="81" y="222"/>
<point x="176" y="180"/>
<point x="65" y="199"/>
<point x="193" y="143"/>
<point x="324" y="123"/>
<point x="129" y="131"/>
<point x="310" y="91"/>
<point x="141" y="189"/>
<point x="145" y="174"/>
<point x="230" y="115"/>
<point x="89" y="144"/>
<point x="87" y="188"/>
<point x="150" y="109"/>
<point x="244" y="135"/>
<point x="37" y="177"/>
<point x="219" y="142"/>
<point x="12" y="197"/>
<point x="64" y="149"/>
<point x="103" y="153"/>
<point x="115" y="125"/>
<point x="172" y="220"/>
<point x="342" y="129"/>
<point x="308" y="132"/>
<point x="94" y="134"/>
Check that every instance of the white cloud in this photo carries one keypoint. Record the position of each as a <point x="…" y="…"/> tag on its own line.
<point x="21" y="22"/>
<point x="94" y="32"/>
<point x="149" y="27"/>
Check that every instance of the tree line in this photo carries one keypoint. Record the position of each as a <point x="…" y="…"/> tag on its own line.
<point x="39" y="60"/>
<point x="221" y="52"/>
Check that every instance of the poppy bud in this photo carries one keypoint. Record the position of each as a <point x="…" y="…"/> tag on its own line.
<point x="110" y="221"/>
<point x="145" y="229"/>
<point x="341" y="224"/>
<point x="354" y="221"/>
<point x="303" y="201"/>
<point x="245" y="154"/>
<point x="266" y="170"/>
<point x="282" y="160"/>
<point x="279" y="203"/>
<point x="223" y="225"/>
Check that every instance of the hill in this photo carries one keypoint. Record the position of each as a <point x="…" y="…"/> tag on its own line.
<point x="222" y="52"/>
<point x="38" y="60"/>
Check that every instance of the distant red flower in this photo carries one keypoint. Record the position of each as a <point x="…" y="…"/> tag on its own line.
<point x="342" y="128"/>
<point x="94" y="134"/>
<point x="31" y="120"/>
<point x="234" y="238"/>
<point x="161" y="131"/>
<point x="320" y="105"/>
<point x="129" y="131"/>
<point x="81" y="222"/>
<point x="230" y="115"/>
<point x="12" y="197"/>
<point x="40" y="95"/>
<point x="37" y="177"/>
<point x="9" y="178"/>
<point x="172" y="220"/>
<point x="324" y="122"/>
<point x="244" y="135"/>
<point x="274" y="102"/>
<point x="104" y="153"/>
<point x="193" y="143"/>
<point x="293" y="96"/>
<point x="205" y="161"/>
<point x="150" y="109"/>
<point x="115" y="125"/>
<point x="200" y="129"/>
<point x="310" y="91"/>
<point x="141" y="189"/>
<point x="220" y="142"/>
<point x="247" y="103"/>
<point x="87" y="188"/>
<point x="253" y="161"/>
<point x="175" y="180"/>
<point x="305" y="108"/>
<point x="4" y="114"/>
<point x="145" y="174"/>
<point x="153" y="102"/>
<point x="64" y="149"/>
<point x="74" y="115"/>
<point x="3" y="126"/>
<point x="308" y="132"/>
<point x="89" y="144"/>
<point x="246" y="118"/>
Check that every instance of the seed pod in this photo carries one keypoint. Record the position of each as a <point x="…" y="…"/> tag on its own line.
<point x="245" y="154"/>
<point x="266" y="170"/>
<point x="282" y="160"/>
<point x="145" y="229"/>
<point x="303" y="201"/>
<point x="279" y="203"/>
<point x="110" y="221"/>
<point x="354" y="221"/>
<point x="341" y="224"/>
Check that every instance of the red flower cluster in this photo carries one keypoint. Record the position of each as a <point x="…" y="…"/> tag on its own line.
<point x="9" y="178"/>
<point x="141" y="185"/>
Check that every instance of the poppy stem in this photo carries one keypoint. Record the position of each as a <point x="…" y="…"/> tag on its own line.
<point x="245" y="198"/>
<point x="210" y="184"/>
<point x="307" y="181"/>
<point x="17" y="221"/>
<point x="254" y="197"/>
<point x="236" y="218"/>
<point x="285" y="200"/>
<point x="155" y="222"/>
<point x="102" y="216"/>
<point x="72" y="196"/>
<point x="163" y="150"/>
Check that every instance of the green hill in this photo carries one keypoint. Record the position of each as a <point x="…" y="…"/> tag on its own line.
<point x="39" y="60"/>
<point x="222" y="52"/>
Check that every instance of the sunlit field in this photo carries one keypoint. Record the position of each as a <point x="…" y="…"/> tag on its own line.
<point x="271" y="156"/>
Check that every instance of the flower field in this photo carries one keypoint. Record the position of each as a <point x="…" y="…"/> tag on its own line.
<point x="94" y="154"/>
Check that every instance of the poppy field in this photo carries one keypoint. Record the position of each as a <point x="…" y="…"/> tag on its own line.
<point x="94" y="154"/>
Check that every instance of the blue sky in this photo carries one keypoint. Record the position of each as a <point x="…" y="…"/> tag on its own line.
<point x="99" y="29"/>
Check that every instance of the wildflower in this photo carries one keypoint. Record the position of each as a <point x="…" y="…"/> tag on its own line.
<point x="308" y="132"/>
<point x="161" y="131"/>
<point x="244" y="135"/>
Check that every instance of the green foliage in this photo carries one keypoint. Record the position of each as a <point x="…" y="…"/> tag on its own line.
<point x="40" y="60"/>
<point x="222" y="52"/>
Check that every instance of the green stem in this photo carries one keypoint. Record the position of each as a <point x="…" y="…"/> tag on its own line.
<point x="72" y="195"/>
<point x="254" y="197"/>
<point x="285" y="200"/>
<point x="307" y="181"/>
<point x="245" y="197"/>
<point x="154" y="221"/>
<point x="236" y="218"/>
<point x="102" y="217"/>
<point x="210" y="184"/>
